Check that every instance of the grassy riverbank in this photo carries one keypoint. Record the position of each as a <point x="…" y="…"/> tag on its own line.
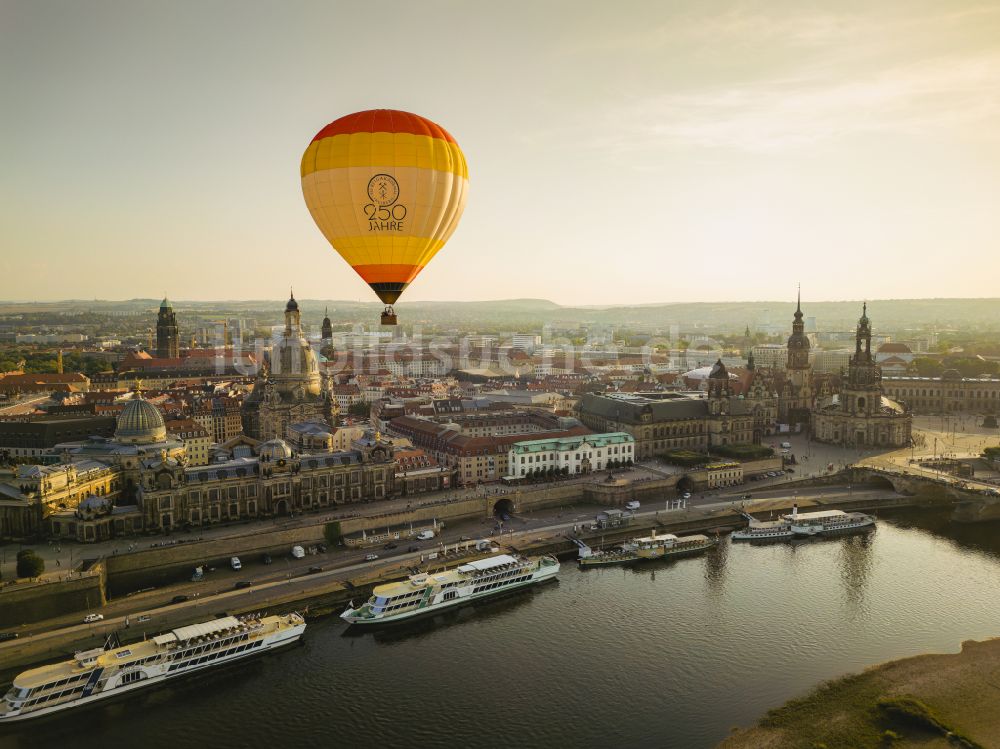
<point x="928" y="701"/>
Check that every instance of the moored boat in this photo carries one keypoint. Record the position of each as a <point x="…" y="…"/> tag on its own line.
<point x="827" y="522"/>
<point x="624" y="554"/>
<point x="764" y="530"/>
<point x="101" y="673"/>
<point x="425" y="593"/>
<point x="661" y="546"/>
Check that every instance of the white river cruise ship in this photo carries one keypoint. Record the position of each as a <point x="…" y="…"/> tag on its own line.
<point x="107" y="672"/>
<point x="426" y="593"/>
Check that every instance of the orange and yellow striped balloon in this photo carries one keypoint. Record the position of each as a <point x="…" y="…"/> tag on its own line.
<point x="387" y="189"/>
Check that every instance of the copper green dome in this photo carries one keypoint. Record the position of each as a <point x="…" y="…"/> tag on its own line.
<point x="140" y="423"/>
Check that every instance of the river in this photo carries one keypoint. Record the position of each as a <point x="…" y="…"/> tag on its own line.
<point x="667" y="654"/>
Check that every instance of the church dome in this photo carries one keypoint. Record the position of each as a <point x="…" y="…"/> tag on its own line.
<point x="292" y="304"/>
<point x="275" y="449"/>
<point x="140" y="423"/>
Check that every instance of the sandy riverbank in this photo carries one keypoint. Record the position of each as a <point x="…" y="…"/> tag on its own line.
<point x="960" y="691"/>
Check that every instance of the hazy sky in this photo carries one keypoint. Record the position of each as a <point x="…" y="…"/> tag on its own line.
<point x="618" y="151"/>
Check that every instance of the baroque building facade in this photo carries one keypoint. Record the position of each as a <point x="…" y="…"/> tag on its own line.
<point x="662" y="421"/>
<point x="289" y="388"/>
<point x="141" y="481"/>
<point x="861" y="415"/>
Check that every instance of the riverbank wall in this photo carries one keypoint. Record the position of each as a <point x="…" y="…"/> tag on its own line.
<point x="50" y="597"/>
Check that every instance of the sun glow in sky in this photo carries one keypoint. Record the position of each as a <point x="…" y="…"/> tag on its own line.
<point x="619" y="152"/>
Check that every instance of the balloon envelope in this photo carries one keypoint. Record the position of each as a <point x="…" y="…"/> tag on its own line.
<point x="387" y="189"/>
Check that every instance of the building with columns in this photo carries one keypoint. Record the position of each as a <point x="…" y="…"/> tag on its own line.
<point x="143" y="481"/>
<point x="861" y="415"/>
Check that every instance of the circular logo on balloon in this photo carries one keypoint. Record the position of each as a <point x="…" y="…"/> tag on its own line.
<point x="383" y="189"/>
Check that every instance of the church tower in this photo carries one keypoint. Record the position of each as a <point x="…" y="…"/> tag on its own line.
<point x="863" y="392"/>
<point x="326" y="332"/>
<point x="289" y="388"/>
<point x="796" y="400"/>
<point x="798" y="343"/>
<point x="167" y="343"/>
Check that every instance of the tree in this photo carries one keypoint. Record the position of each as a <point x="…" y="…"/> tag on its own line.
<point x="927" y="367"/>
<point x="29" y="564"/>
<point x="360" y="409"/>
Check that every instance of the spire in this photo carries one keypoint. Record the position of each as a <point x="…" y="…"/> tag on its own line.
<point x="798" y="305"/>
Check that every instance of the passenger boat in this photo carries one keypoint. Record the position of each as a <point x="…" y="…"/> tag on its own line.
<point x="624" y="554"/>
<point x="827" y="521"/>
<point x="101" y="673"/>
<point x="668" y="545"/>
<point x="764" y="530"/>
<point x="425" y="593"/>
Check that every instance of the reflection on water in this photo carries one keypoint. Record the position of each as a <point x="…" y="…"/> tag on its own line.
<point x="855" y="553"/>
<point x="668" y="654"/>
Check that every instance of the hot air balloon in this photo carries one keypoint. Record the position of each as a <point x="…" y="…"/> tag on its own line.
<point x="387" y="189"/>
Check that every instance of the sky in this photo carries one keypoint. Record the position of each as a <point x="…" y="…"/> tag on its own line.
<point x="626" y="152"/>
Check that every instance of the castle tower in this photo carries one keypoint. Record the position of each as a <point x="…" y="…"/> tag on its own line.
<point x="167" y="343"/>
<point x="796" y="395"/>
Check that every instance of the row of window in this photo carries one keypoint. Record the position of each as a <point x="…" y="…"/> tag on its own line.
<point x="924" y="393"/>
<point x="492" y="586"/>
<point x="215" y="655"/>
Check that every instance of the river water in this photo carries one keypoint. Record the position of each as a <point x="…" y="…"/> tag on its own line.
<point x="669" y="654"/>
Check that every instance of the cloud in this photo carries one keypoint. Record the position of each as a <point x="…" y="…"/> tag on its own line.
<point x="782" y="113"/>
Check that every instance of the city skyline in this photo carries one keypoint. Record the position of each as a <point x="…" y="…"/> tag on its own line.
<point x="609" y="159"/>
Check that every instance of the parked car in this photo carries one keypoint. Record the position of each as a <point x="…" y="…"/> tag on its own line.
<point x="242" y="584"/>
<point x="8" y="636"/>
<point x="413" y="548"/>
<point x="178" y="599"/>
<point x="322" y="548"/>
<point x="686" y="495"/>
<point x="298" y="552"/>
<point x="93" y="618"/>
<point x="425" y="535"/>
<point x="266" y="559"/>
<point x="371" y="557"/>
<point x="235" y="563"/>
<point x="315" y="569"/>
<point x="389" y="546"/>
<point x="143" y="618"/>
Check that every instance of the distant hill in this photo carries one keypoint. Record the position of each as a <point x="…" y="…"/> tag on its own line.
<point x="895" y="315"/>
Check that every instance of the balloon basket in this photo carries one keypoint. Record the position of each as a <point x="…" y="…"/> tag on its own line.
<point x="388" y="316"/>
